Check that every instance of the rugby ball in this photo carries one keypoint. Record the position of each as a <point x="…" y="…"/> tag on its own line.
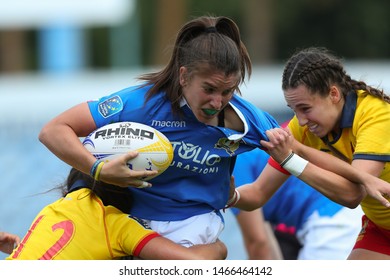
<point x="113" y="140"/>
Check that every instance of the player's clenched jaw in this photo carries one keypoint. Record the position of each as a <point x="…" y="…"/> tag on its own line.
<point x="208" y="92"/>
<point x="321" y="114"/>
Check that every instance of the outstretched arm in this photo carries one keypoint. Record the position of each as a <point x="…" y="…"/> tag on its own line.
<point x="362" y="172"/>
<point x="350" y="181"/>
<point x="257" y="193"/>
<point x="342" y="186"/>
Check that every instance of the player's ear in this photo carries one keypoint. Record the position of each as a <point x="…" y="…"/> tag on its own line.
<point x="183" y="75"/>
<point x="335" y="94"/>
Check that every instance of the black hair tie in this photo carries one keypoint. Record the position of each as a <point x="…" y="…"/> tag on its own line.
<point x="211" y="29"/>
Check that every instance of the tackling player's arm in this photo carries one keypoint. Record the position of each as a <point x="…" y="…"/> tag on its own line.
<point x="335" y="187"/>
<point x="364" y="178"/>
<point x="160" y="248"/>
<point x="8" y="242"/>
<point x="340" y="184"/>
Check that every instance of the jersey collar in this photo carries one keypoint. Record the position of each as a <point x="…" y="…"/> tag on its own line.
<point x="348" y="114"/>
<point x="231" y="136"/>
<point x="347" y="117"/>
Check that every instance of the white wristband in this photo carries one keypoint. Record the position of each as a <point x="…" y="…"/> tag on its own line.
<point x="233" y="201"/>
<point x="295" y="165"/>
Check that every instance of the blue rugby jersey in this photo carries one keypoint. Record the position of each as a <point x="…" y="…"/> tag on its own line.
<point x="197" y="181"/>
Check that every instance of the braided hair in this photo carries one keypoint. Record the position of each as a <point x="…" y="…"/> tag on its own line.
<point x="318" y="69"/>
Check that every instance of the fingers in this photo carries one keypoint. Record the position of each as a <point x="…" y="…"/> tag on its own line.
<point x="117" y="172"/>
<point x="287" y="130"/>
<point x="142" y="173"/>
<point x="131" y="182"/>
<point x="266" y="145"/>
<point x="232" y="181"/>
<point x="144" y="184"/>
<point x="232" y="186"/>
<point x="383" y="199"/>
<point x="16" y="240"/>
<point x="278" y="135"/>
<point x="129" y="155"/>
<point x="137" y="178"/>
<point x="8" y="242"/>
<point x="279" y="145"/>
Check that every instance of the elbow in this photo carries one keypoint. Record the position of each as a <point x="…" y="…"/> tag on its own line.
<point x="352" y="204"/>
<point x="223" y="250"/>
<point x="353" y="201"/>
<point x="44" y="136"/>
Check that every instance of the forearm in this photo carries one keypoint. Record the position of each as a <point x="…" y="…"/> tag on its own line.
<point x="257" y="193"/>
<point x="161" y="248"/>
<point x="61" y="137"/>
<point x="328" y="162"/>
<point x="328" y="174"/>
<point x="69" y="149"/>
<point x="213" y="251"/>
<point x="250" y="198"/>
<point x="333" y="186"/>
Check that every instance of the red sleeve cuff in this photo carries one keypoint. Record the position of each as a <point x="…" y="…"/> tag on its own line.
<point x="277" y="166"/>
<point x="143" y="242"/>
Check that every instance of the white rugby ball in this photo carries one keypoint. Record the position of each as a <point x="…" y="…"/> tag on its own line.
<point x="113" y="140"/>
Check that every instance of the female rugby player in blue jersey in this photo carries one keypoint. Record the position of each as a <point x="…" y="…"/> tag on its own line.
<point x="195" y="101"/>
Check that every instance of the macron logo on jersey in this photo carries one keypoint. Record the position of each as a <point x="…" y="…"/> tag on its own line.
<point x="110" y="106"/>
<point x="157" y="123"/>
